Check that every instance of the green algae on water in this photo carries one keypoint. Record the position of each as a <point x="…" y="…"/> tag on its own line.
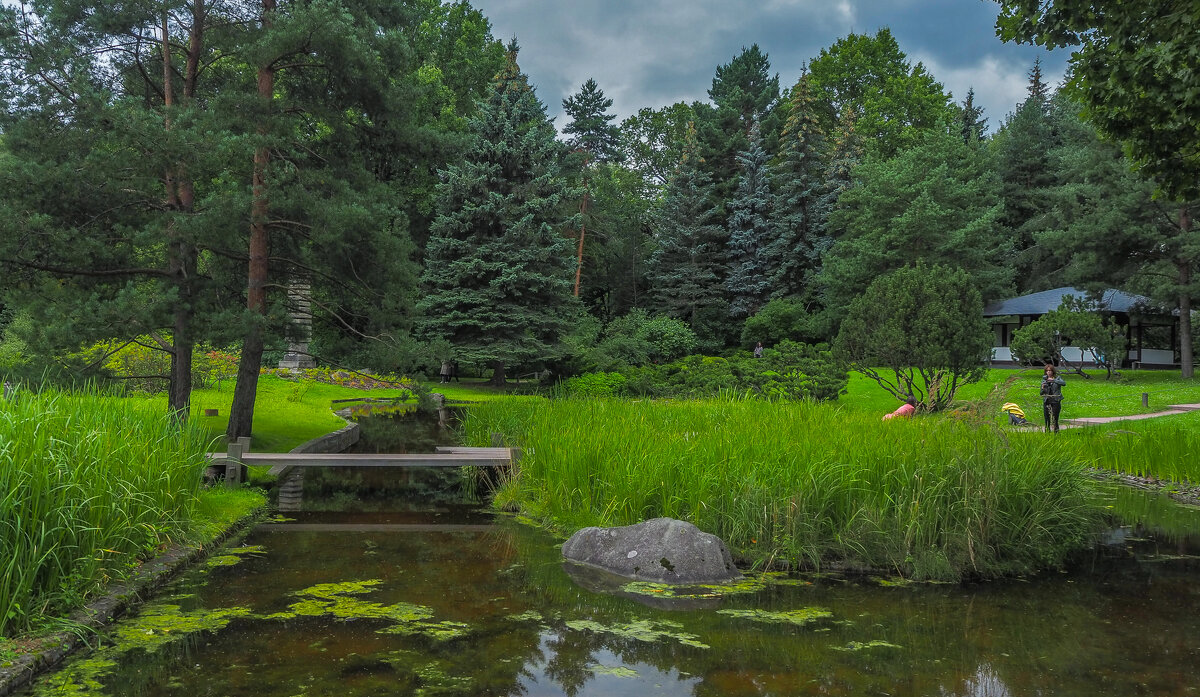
<point x="641" y="630"/>
<point x="233" y="555"/>
<point x="860" y="645"/>
<point x="156" y="626"/>
<point x="750" y="583"/>
<point x="799" y="617"/>
<point x="615" y="671"/>
<point x="336" y="600"/>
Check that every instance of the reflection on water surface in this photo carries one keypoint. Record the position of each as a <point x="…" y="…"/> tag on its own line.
<point x="407" y="597"/>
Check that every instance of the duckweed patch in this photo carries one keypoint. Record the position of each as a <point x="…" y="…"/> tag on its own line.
<point x="860" y="645"/>
<point x="159" y="625"/>
<point x="527" y="616"/>
<point x="155" y="627"/>
<point x="641" y="630"/>
<point x="233" y="555"/>
<point x="435" y="681"/>
<point x="748" y="584"/>
<point x="336" y="600"/>
<point x="82" y="678"/>
<point x="615" y="671"/>
<point x="800" y="617"/>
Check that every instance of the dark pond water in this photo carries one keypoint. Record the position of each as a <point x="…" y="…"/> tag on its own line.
<point x="423" y="593"/>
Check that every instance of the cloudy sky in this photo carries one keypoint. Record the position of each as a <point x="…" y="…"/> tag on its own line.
<point x="650" y="53"/>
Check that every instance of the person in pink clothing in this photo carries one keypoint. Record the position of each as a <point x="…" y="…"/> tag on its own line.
<point x="905" y="410"/>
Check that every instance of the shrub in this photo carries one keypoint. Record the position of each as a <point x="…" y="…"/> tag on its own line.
<point x="784" y="320"/>
<point x="925" y="325"/>
<point x="1074" y="323"/>
<point x="596" y="384"/>
<point x="790" y="370"/>
<point x="141" y="366"/>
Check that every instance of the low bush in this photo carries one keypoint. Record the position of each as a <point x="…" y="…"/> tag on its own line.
<point x="596" y="384"/>
<point x="789" y="370"/>
<point x="141" y="366"/>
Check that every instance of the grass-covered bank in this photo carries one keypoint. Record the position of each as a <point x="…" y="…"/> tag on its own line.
<point x="1165" y="448"/>
<point x="92" y="486"/>
<point x="804" y="484"/>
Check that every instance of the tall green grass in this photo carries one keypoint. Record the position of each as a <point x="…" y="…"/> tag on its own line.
<point x="804" y="484"/>
<point x="1167" y="447"/>
<point x="89" y="485"/>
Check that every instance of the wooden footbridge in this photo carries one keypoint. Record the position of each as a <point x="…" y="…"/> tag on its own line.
<point x="280" y="463"/>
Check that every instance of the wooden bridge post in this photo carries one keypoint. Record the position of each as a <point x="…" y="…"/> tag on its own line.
<point x="233" y="462"/>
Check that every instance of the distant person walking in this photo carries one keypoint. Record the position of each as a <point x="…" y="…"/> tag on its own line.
<point x="1052" y="396"/>
<point x="446" y="371"/>
<point x="758" y="349"/>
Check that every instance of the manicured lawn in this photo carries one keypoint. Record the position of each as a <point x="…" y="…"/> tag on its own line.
<point x="1083" y="398"/>
<point x="288" y="413"/>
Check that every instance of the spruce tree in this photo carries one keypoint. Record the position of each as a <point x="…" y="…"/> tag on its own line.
<point x="497" y="277"/>
<point x="971" y="123"/>
<point x="800" y="209"/>
<point x="750" y="228"/>
<point x="686" y="267"/>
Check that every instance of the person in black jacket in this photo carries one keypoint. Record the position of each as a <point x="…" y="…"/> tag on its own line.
<point x="1052" y="396"/>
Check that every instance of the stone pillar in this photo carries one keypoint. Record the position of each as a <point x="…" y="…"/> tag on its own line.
<point x="300" y="335"/>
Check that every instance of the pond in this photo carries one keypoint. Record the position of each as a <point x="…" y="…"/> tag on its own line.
<point x="410" y="588"/>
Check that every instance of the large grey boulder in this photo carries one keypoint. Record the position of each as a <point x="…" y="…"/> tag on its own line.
<point x="663" y="550"/>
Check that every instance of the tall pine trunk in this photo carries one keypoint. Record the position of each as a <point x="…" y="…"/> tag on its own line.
<point x="241" y="413"/>
<point x="181" y="196"/>
<point x="1186" y="359"/>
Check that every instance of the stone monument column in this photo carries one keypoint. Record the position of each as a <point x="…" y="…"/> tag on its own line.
<point x="300" y="333"/>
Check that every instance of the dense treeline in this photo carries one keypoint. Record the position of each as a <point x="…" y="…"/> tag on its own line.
<point x="172" y="172"/>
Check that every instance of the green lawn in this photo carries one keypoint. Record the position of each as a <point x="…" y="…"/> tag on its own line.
<point x="1120" y="396"/>
<point x="288" y="413"/>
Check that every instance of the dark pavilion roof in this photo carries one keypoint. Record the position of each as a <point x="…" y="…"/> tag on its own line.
<point x="1040" y="303"/>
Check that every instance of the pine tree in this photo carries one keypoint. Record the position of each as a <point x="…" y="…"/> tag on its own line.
<point x="594" y="138"/>
<point x="1023" y="161"/>
<point x="845" y="154"/>
<point x="591" y="130"/>
<point x="497" y="276"/>
<point x="686" y="267"/>
<point x="750" y="228"/>
<point x="744" y="92"/>
<point x="936" y="202"/>
<point x="1039" y="93"/>
<point x="800" y="210"/>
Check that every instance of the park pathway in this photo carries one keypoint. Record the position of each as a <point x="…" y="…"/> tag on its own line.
<point x="1171" y="410"/>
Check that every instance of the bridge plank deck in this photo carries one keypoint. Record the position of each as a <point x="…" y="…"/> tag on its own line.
<point x="445" y="457"/>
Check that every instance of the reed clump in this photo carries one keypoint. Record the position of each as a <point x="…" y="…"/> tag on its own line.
<point x="90" y="485"/>
<point x="800" y="485"/>
<point x="1162" y="448"/>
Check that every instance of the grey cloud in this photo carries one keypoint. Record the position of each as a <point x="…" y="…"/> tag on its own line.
<point x="657" y="52"/>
